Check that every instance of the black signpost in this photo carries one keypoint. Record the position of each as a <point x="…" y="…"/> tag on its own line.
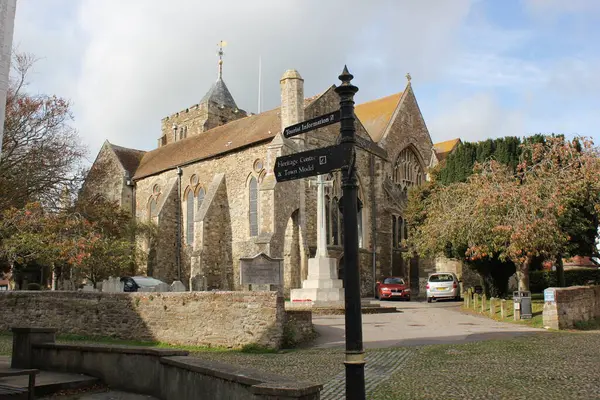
<point x="355" y="355"/>
<point x="321" y="161"/>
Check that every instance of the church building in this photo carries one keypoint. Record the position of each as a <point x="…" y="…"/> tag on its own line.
<point x="210" y="188"/>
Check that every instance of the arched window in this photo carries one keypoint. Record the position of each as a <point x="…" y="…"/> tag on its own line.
<point x="335" y="219"/>
<point x="190" y="217"/>
<point x="328" y="219"/>
<point x="253" y="215"/>
<point x="394" y="232"/>
<point x="153" y="210"/>
<point x="201" y="194"/>
<point x="408" y="170"/>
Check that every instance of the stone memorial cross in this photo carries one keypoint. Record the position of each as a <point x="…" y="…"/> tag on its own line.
<point x="321" y="183"/>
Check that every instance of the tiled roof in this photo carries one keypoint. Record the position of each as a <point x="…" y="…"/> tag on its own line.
<point x="222" y="139"/>
<point x="375" y="115"/>
<point x="219" y="94"/>
<point x="442" y="149"/>
<point x="129" y="158"/>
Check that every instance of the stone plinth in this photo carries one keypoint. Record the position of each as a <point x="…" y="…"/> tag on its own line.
<point x="23" y="339"/>
<point x="321" y="288"/>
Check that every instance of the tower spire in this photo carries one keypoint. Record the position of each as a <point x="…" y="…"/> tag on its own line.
<point x="221" y="44"/>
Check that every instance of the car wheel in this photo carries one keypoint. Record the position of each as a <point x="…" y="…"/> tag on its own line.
<point x="429" y="299"/>
<point x="457" y="298"/>
<point x="408" y="298"/>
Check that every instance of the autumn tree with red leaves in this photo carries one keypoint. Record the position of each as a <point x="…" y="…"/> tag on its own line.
<point x="41" y="152"/>
<point x="548" y="208"/>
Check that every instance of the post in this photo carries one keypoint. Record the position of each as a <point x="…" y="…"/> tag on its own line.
<point x="355" y="355"/>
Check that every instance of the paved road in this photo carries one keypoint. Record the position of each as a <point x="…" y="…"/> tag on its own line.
<point x="418" y="323"/>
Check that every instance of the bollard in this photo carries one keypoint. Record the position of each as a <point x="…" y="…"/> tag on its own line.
<point x="492" y="307"/>
<point x="483" y="304"/>
<point x="475" y="301"/>
<point x="503" y="308"/>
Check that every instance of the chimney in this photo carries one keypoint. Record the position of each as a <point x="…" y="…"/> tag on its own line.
<point x="292" y="99"/>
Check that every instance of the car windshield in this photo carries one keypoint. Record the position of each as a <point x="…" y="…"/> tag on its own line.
<point x="441" y="278"/>
<point x="146" y="282"/>
<point x="394" y="281"/>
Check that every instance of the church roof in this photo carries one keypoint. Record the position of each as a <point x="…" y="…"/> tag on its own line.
<point x="129" y="158"/>
<point x="442" y="149"/>
<point x="232" y="136"/>
<point x="218" y="93"/>
<point x="376" y="115"/>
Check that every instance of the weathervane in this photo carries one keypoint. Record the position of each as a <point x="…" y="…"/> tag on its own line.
<point x="408" y="77"/>
<point x="221" y="44"/>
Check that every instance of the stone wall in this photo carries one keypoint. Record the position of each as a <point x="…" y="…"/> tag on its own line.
<point x="571" y="305"/>
<point x="229" y="319"/>
<point x="107" y="178"/>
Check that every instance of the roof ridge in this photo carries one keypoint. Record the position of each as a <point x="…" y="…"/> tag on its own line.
<point x="125" y="148"/>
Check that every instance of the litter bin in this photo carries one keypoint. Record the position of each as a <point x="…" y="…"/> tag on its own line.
<point x="522" y="300"/>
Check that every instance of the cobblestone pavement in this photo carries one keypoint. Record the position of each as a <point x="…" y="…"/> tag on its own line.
<point x="546" y="366"/>
<point x="380" y="365"/>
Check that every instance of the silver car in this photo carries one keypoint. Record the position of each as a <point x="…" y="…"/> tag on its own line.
<point x="443" y="285"/>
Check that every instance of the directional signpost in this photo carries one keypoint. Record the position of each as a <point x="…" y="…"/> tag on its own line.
<point x="321" y="161"/>
<point x="310" y="163"/>
<point x="311" y="124"/>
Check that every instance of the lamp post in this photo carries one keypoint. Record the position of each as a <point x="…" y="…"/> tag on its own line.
<point x="355" y="355"/>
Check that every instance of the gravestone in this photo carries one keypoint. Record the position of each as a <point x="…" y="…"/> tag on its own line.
<point x="262" y="272"/>
<point x="162" y="287"/>
<point x="112" y="285"/>
<point x="88" y="288"/>
<point x="177" y="286"/>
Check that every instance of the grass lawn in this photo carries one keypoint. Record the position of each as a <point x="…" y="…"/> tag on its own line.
<point x="537" y="307"/>
<point x="552" y="365"/>
<point x="303" y="364"/>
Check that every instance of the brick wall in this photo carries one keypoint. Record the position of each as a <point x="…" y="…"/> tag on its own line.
<point x="229" y="319"/>
<point x="571" y="305"/>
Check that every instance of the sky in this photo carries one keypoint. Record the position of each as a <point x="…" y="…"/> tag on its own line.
<point x="480" y="68"/>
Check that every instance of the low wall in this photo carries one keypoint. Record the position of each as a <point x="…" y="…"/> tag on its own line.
<point x="163" y="373"/>
<point x="298" y="327"/>
<point x="563" y="307"/>
<point x="228" y="319"/>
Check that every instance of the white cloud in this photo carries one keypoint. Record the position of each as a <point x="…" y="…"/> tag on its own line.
<point x="128" y="63"/>
<point x="475" y="118"/>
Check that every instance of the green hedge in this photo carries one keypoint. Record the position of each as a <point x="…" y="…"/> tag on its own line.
<point x="540" y="280"/>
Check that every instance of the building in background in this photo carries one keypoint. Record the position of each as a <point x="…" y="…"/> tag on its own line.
<point x="8" y="9"/>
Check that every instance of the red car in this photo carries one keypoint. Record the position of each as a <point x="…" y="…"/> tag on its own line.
<point x="393" y="287"/>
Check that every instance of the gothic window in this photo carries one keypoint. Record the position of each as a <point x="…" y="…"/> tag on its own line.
<point x="407" y="170"/>
<point x="153" y="209"/>
<point x="328" y="219"/>
<point x="335" y="219"/>
<point x="253" y="207"/>
<point x="394" y="232"/>
<point x="201" y="194"/>
<point x="399" y="231"/>
<point x="190" y="217"/>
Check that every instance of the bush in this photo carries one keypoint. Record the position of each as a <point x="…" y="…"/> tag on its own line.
<point x="540" y="280"/>
<point x="34" y="286"/>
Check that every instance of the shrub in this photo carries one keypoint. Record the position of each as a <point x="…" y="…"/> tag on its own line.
<point x="33" y="286"/>
<point x="540" y="280"/>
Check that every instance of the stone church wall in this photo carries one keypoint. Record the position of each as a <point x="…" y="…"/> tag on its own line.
<point x="107" y="178"/>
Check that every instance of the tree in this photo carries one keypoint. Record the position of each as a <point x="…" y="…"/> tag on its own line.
<point x="91" y="240"/>
<point x="41" y="152"/>
<point x="517" y="216"/>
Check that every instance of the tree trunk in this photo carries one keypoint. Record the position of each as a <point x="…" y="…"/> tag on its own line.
<point x="523" y="274"/>
<point x="560" y="272"/>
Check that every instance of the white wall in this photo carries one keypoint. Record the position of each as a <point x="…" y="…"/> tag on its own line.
<point x="7" y="22"/>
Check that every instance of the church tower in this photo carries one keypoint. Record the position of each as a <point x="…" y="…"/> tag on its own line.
<point x="216" y="108"/>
